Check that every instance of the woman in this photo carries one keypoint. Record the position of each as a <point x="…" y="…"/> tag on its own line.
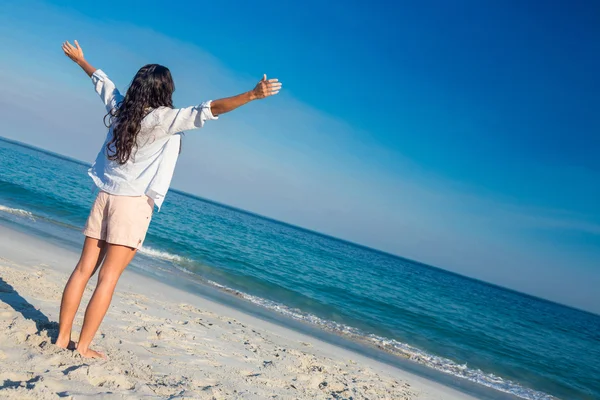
<point x="133" y="171"/>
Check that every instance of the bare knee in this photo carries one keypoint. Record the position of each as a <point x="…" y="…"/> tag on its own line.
<point x="83" y="271"/>
<point x="87" y="268"/>
<point x="108" y="277"/>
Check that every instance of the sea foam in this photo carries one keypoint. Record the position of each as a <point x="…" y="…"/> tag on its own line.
<point x="17" y="211"/>
<point x="162" y="255"/>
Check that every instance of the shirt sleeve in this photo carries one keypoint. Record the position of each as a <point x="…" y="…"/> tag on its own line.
<point x="184" y="119"/>
<point x="106" y="89"/>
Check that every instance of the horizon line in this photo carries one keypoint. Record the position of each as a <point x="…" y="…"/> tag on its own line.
<point x="251" y="213"/>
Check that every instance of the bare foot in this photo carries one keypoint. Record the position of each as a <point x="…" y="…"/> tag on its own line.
<point x="69" y="346"/>
<point x="89" y="353"/>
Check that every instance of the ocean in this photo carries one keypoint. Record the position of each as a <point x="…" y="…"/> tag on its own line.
<point x="468" y="329"/>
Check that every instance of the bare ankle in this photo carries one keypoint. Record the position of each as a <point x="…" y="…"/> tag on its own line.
<point x="82" y="348"/>
<point x="63" y="340"/>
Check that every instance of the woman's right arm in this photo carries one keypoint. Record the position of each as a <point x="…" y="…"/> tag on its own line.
<point x="183" y="119"/>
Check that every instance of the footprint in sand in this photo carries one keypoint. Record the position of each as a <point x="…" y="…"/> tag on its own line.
<point x="204" y="384"/>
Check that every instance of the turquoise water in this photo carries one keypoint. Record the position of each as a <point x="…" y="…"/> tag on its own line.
<point x="492" y="336"/>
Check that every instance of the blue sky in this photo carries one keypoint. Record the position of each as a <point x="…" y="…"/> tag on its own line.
<point x="460" y="134"/>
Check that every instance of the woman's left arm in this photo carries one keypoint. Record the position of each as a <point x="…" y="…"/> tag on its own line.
<point x="104" y="86"/>
<point x="264" y="88"/>
<point x="75" y="53"/>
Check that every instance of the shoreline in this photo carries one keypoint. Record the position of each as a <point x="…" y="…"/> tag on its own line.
<point x="142" y="298"/>
<point x="231" y="298"/>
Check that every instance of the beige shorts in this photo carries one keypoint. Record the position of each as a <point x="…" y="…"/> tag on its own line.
<point x="121" y="220"/>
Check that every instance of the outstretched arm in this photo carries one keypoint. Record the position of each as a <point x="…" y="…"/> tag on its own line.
<point x="264" y="88"/>
<point x="75" y="53"/>
<point x="183" y="119"/>
<point x="104" y="86"/>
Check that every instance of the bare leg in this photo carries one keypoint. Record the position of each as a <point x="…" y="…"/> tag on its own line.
<point x="117" y="259"/>
<point x="92" y="255"/>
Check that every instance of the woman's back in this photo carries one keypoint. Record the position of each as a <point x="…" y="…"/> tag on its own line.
<point x="149" y="167"/>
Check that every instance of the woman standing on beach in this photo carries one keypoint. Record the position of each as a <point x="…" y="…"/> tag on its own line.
<point x="133" y="171"/>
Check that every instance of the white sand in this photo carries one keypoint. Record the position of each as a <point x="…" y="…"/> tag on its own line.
<point x="166" y="343"/>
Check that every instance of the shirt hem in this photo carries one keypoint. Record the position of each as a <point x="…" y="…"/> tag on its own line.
<point x="155" y="196"/>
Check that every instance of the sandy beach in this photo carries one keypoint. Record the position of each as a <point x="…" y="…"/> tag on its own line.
<point x="163" y="342"/>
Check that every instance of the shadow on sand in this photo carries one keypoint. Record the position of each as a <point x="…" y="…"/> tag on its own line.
<point x="10" y="296"/>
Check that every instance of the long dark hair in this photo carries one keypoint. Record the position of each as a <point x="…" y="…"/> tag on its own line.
<point x="151" y="87"/>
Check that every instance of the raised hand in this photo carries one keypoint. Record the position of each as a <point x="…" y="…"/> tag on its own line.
<point x="75" y="53"/>
<point x="266" y="88"/>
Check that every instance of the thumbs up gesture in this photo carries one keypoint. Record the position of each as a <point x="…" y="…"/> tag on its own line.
<point x="266" y="87"/>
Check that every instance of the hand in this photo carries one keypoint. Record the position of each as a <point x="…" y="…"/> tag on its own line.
<point x="75" y="53"/>
<point x="266" y="88"/>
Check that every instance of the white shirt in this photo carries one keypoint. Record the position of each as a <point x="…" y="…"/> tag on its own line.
<point x="150" y="168"/>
